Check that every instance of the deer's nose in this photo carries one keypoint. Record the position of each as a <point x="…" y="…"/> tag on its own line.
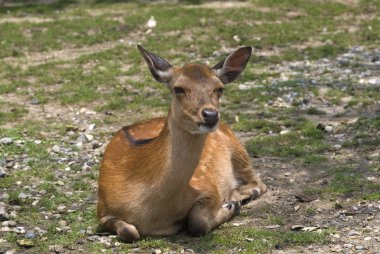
<point x="211" y="116"/>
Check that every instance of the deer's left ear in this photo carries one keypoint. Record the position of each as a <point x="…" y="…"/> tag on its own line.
<point x="157" y="66"/>
<point x="230" y="68"/>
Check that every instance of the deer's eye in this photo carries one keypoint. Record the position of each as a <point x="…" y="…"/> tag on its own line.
<point x="179" y="90"/>
<point x="220" y="90"/>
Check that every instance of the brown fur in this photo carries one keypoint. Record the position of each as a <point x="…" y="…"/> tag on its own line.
<point x="182" y="174"/>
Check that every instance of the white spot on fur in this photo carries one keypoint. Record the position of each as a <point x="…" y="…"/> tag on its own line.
<point x="258" y="191"/>
<point x="204" y="129"/>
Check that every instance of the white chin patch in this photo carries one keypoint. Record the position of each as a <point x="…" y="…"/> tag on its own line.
<point x="205" y="129"/>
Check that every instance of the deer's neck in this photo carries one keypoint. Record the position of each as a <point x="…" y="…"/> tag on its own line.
<point x="184" y="153"/>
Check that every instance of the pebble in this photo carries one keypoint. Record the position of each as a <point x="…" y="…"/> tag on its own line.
<point x="6" y="141"/>
<point x="91" y="127"/>
<point x="9" y="223"/>
<point x="22" y="195"/>
<point x="2" y="173"/>
<point x="25" y="243"/>
<point x="359" y="247"/>
<point x="248" y="239"/>
<point x="157" y="251"/>
<point x="56" y="149"/>
<point x="56" y="248"/>
<point x="34" y="101"/>
<point x="30" y="234"/>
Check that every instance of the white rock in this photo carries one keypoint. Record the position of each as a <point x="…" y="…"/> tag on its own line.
<point x="6" y="141"/>
<point x="56" y="149"/>
<point x="151" y="22"/>
<point x="91" y="127"/>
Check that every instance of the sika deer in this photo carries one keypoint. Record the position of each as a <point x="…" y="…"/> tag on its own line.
<point x="188" y="168"/>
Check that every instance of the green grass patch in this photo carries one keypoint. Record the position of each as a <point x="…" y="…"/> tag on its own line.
<point x="352" y="182"/>
<point x="308" y="140"/>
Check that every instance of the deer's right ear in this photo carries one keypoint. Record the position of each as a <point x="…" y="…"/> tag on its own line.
<point x="157" y="66"/>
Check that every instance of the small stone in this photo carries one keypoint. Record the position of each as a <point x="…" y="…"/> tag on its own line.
<point x="367" y="238"/>
<point x="9" y="223"/>
<point x="95" y="145"/>
<point x="329" y="128"/>
<point x="91" y="127"/>
<point x="22" y="195"/>
<point x="287" y="174"/>
<point x="283" y="132"/>
<point x="359" y="247"/>
<point x="236" y="38"/>
<point x="297" y="227"/>
<point x="56" y="248"/>
<point x="89" y="137"/>
<point x="37" y="141"/>
<point x="2" y="173"/>
<point x="157" y="251"/>
<point x="248" y="239"/>
<point x="25" y="243"/>
<point x="56" y="149"/>
<point x="71" y="128"/>
<point x="296" y="208"/>
<point x="6" y="141"/>
<point x="30" y="234"/>
<point x="34" y="101"/>
<point x="353" y="233"/>
<point x="61" y="207"/>
<point x="273" y="226"/>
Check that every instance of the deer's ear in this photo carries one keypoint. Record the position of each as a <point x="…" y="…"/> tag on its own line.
<point x="230" y="68"/>
<point x="157" y="66"/>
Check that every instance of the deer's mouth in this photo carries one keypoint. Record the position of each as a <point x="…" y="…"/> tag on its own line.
<point x="207" y="127"/>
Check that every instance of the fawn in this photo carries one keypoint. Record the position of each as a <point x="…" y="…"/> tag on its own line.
<point x="188" y="169"/>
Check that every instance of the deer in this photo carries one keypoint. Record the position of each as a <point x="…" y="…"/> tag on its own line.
<point x="184" y="171"/>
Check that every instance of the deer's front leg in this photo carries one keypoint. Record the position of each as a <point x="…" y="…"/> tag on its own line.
<point x="208" y="214"/>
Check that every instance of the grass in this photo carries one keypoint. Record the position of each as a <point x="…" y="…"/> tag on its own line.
<point x="300" y="143"/>
<point x="83" y="54"/>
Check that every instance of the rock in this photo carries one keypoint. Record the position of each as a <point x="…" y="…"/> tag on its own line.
<point x="189" y="251"/>
<point x="3" y="213"/>
<point x="6" y="141"/>
<point x="56" y="248"/>
<point x="157" y="251"/>
<point x="151" y="22"/>
<point x="91" y="127"/>
<point x="353" y="233"/>
<point x="56" y="149"/>
<point x="359" y="247"/>
<point x="30" y="234"/>
<point x="248" y="239"/>
<point x="283" y="132"/>
<point x="329" y="128"/>
<point x="296" y="208"/>
<point x="2" y="173"/>
<point x="309" y="229"/>
<point x="25" y="243"/>
<point x="70" y="127"/>
<point x="287" y="174"/>
<point x="236" y="38"/>
<point x="95" y="144"/>
<point x="34" y="101"/>
<point x="297" y="227"/>
<point x="273" y="226"/>
<point x="22" y="195"/>
<point x="89" y="137"/>
<point x="9" y="223"/>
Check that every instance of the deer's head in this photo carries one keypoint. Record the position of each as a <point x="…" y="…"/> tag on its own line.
<point x="196" y="88"/>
